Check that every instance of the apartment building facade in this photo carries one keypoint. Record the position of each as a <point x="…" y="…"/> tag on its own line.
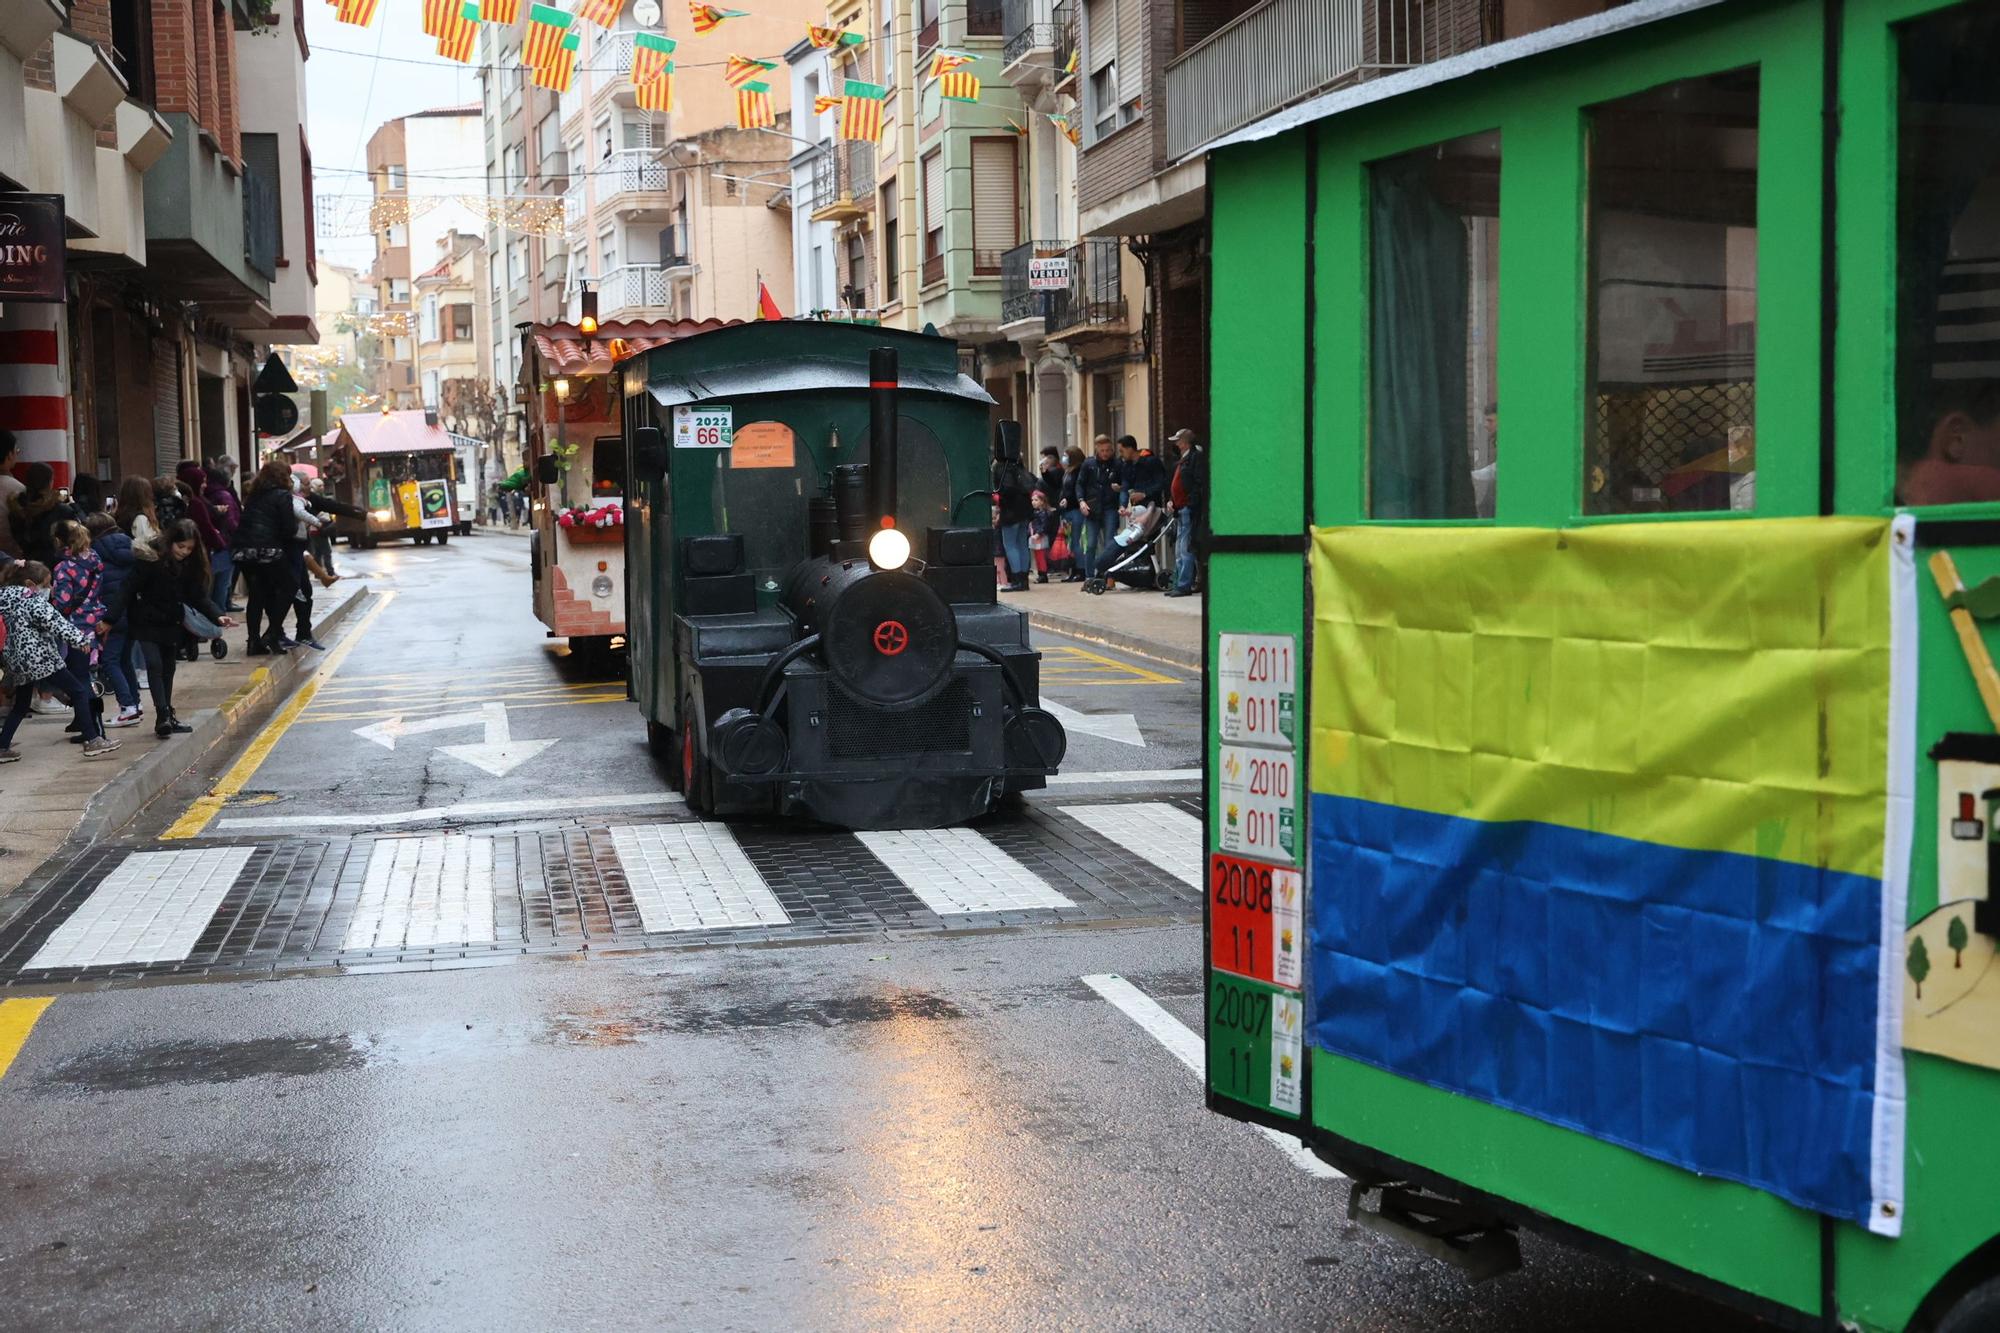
<point x="187" y="202"/>
<point x="420" y="174"/>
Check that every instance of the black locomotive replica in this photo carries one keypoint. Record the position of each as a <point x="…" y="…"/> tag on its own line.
<point x="794" y="652"/>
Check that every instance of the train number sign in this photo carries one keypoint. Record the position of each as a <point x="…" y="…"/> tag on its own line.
<point x="1255" y="919"/>
<point x="1259" y="689"/>
<point x="702" y="428"/>
<point x="1257" y="802"/>
<point x="1256" y="1043"/>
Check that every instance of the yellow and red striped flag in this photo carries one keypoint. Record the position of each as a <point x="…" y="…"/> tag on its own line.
<point x="500" y="11"/>
<point x="742" y="69"/>
<point x="461" y="33"/>
<point x="958" y="86"/>
<point x="556" y="75"/>
<point x="437" y="14"/>
<point x="1070" y="131"/>
<point x="657" y="93"/>
<point x="649" y="57"/>
<point x="861" y="110"/>
<point x="753" y="107"/>
<point x="707" y="18"/>
<point x="944" y="62"/>
<point x="360" y="13"/>
<point x="604" y="13"/>
<point x="547" y="27"/>
<point x="1069" y="66"/>
<point x="827" y="38"/>
<point x="824" y="103"/>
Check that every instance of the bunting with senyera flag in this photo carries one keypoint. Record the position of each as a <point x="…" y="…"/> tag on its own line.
<point x="944" y="62"/>
<point x="650" y="57"/>
<point x="707" y="18"/>
<point x="1069" y="130"/>
<point x="861" y="110"/>
<point x="1069" y="66"/>
<point x="547" y="29"/>
<point x="556" y="75"/>
<point x="604" y="13"/>
<point x="461" y="33"/>
<point x="657" y="93"/>
<point x="824" y="103"/>
<point x="742" y="69"/>
<point x="437" y="13"/>
<point x="753" y="107"/>
<point x="828" y="38"/>
<point x="500" y="11"/>
<point x="360" y="13"/>
<point x="959" y="86"/>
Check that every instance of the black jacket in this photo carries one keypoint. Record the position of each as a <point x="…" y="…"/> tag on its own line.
<point x="1013" y="484"/>
<point x="1147" y="473"/>
<point x="1052" y="484"/>
<point x="1098" y="484"/>
<point x="268" y="520"/>
<point x="155" y="593"/>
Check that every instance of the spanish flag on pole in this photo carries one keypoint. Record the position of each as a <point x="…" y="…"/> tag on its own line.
<point x="861" y="112"/>
<point x="767" y="307"/>
<point x="753" y="107"/>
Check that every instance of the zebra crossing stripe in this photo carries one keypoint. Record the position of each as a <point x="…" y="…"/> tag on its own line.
<point x="418" y="893"/>
<point x="693" y="876"/>
<point x="151" y="909"/>
<point x="1166" y="835"/>
<point x="958" y="870"/>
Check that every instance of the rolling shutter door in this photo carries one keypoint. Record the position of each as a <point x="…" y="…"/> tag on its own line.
<point x="934" y="193"/>
<point x="994" y="211"/>
<point x="1101" y="32"/>
<point x="1131" y="51"/>
<point x="166" y="407"/>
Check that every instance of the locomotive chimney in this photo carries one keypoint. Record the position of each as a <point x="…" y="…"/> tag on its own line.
<point x="887" y="548"/>
<point x="882" y="433"/>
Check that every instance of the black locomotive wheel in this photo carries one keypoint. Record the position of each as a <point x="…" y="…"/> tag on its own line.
<point x="889" y="640"/>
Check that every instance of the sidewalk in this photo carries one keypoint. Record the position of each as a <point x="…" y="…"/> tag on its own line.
<point x="1148" y="623"/>
<point x="53" y="793"/>
<point x="484" y="530"/>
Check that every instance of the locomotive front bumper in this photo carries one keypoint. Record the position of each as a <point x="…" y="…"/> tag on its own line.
<point x="856" y="765"/>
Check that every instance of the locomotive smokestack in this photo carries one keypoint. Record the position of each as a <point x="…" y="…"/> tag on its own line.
<point x="882" y="432"/>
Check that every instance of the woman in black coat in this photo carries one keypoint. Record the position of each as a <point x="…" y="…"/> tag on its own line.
<point x="154" y="603"/>
<point x="260" y="547"/>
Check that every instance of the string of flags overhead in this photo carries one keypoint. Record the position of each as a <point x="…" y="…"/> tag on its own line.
<point x="553" y="39"/>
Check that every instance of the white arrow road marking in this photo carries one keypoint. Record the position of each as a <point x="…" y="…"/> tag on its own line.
<point x="499" y="753"/>
<point x="1120" y="727"/>
<point x="497" y="757"/>
<point x="1184" y="1044"/>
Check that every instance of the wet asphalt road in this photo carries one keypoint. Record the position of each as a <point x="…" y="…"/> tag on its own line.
<point x="916" y="1122"/>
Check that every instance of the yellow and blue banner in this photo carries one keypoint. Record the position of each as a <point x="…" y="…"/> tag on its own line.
<point x="1611" y="826"/>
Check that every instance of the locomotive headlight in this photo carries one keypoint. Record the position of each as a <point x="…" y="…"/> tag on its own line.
<point x="380" y="515"/>
<point x="888" y="549"/>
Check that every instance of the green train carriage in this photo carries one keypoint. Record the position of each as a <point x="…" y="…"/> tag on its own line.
<point x="811" y="614"/>
<point x="1602" y="829"/>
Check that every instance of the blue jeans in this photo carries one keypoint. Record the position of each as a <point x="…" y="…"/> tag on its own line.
<point x="1184" y="564"/>
<point x="1014" y="545"/>
<point x="68" y="683"/>
<point x="223" y="565"/>
<point x="116" y="660"/>
<point x="1101" y="526"/>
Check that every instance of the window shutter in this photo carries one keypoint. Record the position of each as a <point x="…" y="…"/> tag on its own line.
<point x="166" y="407"/>
<point x="995" y="212"/>
<point x="1131" y="52"/>
<point x="1101" y="31"/>
<point x="934" y="192"/>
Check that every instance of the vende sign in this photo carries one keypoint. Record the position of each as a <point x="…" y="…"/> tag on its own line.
<point x="31" y="247"/>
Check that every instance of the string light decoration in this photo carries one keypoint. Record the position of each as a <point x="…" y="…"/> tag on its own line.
<point x="529" y="214"/>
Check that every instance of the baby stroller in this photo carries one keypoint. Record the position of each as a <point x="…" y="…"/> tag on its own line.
<point x="1140" y="564"/>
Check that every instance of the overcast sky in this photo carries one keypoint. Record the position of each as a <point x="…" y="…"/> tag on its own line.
<point x="343" y="109"/>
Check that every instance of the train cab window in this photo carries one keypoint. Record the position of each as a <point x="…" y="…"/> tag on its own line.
<point x="1433" y="431"/>
<point x="923" y="481"/>
<point x="607" y="467"/>
<point x="1948" y="258"/>
<point x="761" y="490"/>
<point x="1670" y="407"/>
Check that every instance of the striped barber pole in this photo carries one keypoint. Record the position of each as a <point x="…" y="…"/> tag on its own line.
<point x="34" y="403"/>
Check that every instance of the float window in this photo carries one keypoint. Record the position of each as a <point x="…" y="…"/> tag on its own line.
<point x="1434" y="299"/>
<point x="1948" y="258"/>
<point x="1671" y="405"/>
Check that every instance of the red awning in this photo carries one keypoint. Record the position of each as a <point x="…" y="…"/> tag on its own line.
<point x="404" y="432"/>
<point x="564" y="351"/>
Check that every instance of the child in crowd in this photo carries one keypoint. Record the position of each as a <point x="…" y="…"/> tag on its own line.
<point x="78" y="596"/>
<point x="155" y="599"/>
<point x="36" y="657"/>
<point x="114" y="549"/>
<point x="1044" y="523"/>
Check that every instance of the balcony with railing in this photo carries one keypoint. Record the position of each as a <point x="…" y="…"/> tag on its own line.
<point x="1094" y="298"/>
<point x="1022" y="300"/>
<point x="842" y="185"/>
<point x="1282" y="51"/>
<point x="633" y="181"/>
<point x="635" y="289"/>
<point x="933" y="272"/>
<point x="1026" y="60"/>
<point x="1063" y="19"/>
<point x="576" y="216"/>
